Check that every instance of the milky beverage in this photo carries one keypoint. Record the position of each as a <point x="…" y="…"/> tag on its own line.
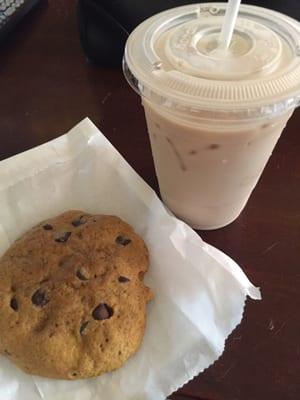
<point x="213" y="116"/>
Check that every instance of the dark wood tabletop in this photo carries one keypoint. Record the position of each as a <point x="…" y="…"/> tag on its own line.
<point x="47" y="87"/>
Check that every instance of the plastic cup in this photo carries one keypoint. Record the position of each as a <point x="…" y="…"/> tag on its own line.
<point x="213" y="115"/>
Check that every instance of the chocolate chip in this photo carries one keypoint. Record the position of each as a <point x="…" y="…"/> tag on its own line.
<point x="67" y="261"/>
<point x="141" y="275"/>
<point x="79" y="221"/>
<point x="63" y="237"/>
<point x="39" y="298"/>
<point x="83" y="326"/>
<point x="79" y="235"/>
<point x="123" y="279"/>
<point x="48" y="227"/>
<point x="7" y="352"/>
<point x="80" y="276"/>
<point x="44" y="281"/>
<point x="102" y="311"/>
<point x="76" y="222"/>
<point x="122" y="240"/>
<point x="14" y="304"/>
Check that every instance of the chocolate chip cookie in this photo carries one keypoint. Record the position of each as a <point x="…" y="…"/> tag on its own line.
<point x="72" y="297"/>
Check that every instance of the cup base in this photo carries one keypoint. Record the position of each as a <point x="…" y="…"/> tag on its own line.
<point x="203" y="226"/>
<point x="213" y="227"/>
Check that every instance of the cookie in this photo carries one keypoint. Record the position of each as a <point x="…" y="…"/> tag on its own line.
<point x="72" y="297"/>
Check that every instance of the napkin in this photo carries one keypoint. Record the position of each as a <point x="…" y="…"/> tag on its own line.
<point x="200" y="292"/>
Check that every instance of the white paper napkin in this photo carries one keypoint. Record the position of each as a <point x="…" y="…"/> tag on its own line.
<point x="199" y="291"/>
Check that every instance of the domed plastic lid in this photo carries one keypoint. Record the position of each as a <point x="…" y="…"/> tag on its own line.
<point x="174" y="59"/>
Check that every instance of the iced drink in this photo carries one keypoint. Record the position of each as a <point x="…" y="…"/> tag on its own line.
<point x="213" y="117"/>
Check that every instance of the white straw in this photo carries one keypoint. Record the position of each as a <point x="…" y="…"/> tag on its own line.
<point x="229" y="23"/>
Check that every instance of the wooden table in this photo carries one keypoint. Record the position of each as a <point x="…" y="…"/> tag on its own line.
<point x="47" y="87"/>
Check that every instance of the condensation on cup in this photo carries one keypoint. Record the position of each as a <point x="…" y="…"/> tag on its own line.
<point x="213" y="116"/>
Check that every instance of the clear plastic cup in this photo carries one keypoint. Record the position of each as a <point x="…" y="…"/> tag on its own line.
<point x="213" y="116"/>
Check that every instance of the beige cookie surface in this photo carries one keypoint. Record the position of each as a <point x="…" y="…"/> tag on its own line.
<point x="72" y="297"/>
